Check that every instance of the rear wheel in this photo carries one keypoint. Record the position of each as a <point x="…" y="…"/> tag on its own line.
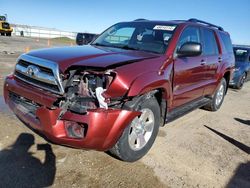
<point x="140" y="134"/>
<point x="218" y="97"/>
<point x="241" y="81"/>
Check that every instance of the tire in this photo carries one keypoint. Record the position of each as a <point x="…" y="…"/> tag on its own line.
<point x="136" y="139"/>
<point x="218" y="97"/>
<point x="2" y="34"/>
<point x="241" y="81"/>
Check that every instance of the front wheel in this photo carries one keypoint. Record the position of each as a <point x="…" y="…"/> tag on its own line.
<point x="140" y="134"/>
<point x="241" y="81"/>
<point x="218" y="97"/>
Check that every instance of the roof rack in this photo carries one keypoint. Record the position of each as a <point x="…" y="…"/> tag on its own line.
<point x="140" y="19"/>
<point x="205" y="23"/>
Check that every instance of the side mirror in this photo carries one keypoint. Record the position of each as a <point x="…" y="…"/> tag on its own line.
<point x="84" y="38"/>
<point x="189" y="49"/>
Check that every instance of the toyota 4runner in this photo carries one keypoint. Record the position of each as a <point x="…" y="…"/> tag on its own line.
<point x="113" y="94"/>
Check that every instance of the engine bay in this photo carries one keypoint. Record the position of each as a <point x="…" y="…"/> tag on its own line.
<point x="83" y="91"/>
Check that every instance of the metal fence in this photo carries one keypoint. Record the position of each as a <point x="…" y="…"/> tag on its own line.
<point x="40" y="32"/>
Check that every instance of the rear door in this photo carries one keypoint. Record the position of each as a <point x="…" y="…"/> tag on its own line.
<point x="188" y="81"/>
<point x="211" y="59"/>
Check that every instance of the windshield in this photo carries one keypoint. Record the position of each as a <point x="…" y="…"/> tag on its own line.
<point x="142" y="36"/>
<point x="240" y="54"/>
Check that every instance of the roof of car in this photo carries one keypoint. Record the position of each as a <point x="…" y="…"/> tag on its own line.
<point x="241" y="46"/>
<point x="177" y="22"/>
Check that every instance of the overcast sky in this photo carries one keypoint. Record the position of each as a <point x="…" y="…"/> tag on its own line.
<point x="95" y="16"/>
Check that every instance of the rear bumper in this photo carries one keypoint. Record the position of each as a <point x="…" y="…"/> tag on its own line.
<point x="103" y="127"/>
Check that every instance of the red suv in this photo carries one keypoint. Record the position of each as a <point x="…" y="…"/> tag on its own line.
<point x="115" y="93"/>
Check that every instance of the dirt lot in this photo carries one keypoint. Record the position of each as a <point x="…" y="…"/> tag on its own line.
<point x="202" y="149"/>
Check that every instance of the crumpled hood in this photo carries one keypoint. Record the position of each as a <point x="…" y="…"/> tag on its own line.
<point x="90" y="56"/>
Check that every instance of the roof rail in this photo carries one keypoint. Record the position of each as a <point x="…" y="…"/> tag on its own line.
<point x="205" y="23"/>
<point x="140" y="19"/>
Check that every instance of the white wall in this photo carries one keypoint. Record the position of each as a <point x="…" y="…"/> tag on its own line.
<point x="40" y="32"/>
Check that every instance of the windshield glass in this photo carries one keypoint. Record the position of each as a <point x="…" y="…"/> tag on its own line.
<point x="240" y="54"/>
<point x="142" y="36"/>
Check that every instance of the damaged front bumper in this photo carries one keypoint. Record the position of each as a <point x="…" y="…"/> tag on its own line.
<point x="101" y="128"/>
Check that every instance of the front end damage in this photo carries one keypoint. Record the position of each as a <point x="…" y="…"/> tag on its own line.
<point x="83" y="117"/>
<point x="83" y="91"/>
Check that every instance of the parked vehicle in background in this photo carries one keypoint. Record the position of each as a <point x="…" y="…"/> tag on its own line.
<point x="5" y="28"/>
<point x="85" y="38"/>
<point x="242" y="66"/>
<point x="115" y="93"/>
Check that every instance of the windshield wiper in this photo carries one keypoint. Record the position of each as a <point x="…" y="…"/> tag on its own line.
<point x="99" y="44"/>
<point x="126" y="47"/>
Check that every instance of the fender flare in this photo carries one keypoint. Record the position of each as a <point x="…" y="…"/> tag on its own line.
<point x="148" y="82"/>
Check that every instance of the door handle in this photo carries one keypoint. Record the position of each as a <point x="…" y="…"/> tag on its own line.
<point x="203" y="62"/>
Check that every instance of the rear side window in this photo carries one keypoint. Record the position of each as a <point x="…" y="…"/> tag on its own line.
<point x="241" y="54"/>
<point x="227" y="44"/>
<point x="209" y="42"/>
<point x="190" y="34"/>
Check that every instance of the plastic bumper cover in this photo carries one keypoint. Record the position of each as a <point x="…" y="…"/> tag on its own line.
<point x="103" y="127"/>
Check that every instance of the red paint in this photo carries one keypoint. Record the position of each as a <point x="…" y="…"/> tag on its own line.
<point x="181" y="79"/>
<point x="104" y="127"/>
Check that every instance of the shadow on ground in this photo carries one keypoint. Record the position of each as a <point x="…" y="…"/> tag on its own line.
<point x="246" y="122"/>
<point x="18" y="168"/>
<point x="236" y="143"/>
<point x="241" y="177"/>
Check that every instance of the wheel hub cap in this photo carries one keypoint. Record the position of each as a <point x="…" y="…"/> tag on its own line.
<point x="141" y="129"/>
<point x="220" y="95"/>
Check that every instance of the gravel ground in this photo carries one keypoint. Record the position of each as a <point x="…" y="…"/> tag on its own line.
<point x="201" y="149"/>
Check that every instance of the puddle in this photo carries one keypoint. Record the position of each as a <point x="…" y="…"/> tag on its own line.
<point x="3" y="107"/>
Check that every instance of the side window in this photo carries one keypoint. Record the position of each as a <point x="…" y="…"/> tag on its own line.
<point x="227" y="44"/>
<point x="209" y="42"/>
<point x="190" y="34"/>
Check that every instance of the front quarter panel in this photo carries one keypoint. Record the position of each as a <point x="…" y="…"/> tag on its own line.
<point x="151" y="81"/>
<point x="140" y="74"/>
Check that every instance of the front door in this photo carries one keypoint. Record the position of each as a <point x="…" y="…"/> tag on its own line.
<point x="188" y="81"/>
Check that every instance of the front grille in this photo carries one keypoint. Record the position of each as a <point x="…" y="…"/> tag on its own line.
<point x="28" y="106"/>
<point x="42" y="69"/>
<point x="5" y="25"/>
<point x="40" y="73"/>
<point x="36" y="82"/>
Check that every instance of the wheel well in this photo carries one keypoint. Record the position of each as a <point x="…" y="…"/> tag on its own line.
<point x="227" y="78"/>
<point x="163" y="105"/>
